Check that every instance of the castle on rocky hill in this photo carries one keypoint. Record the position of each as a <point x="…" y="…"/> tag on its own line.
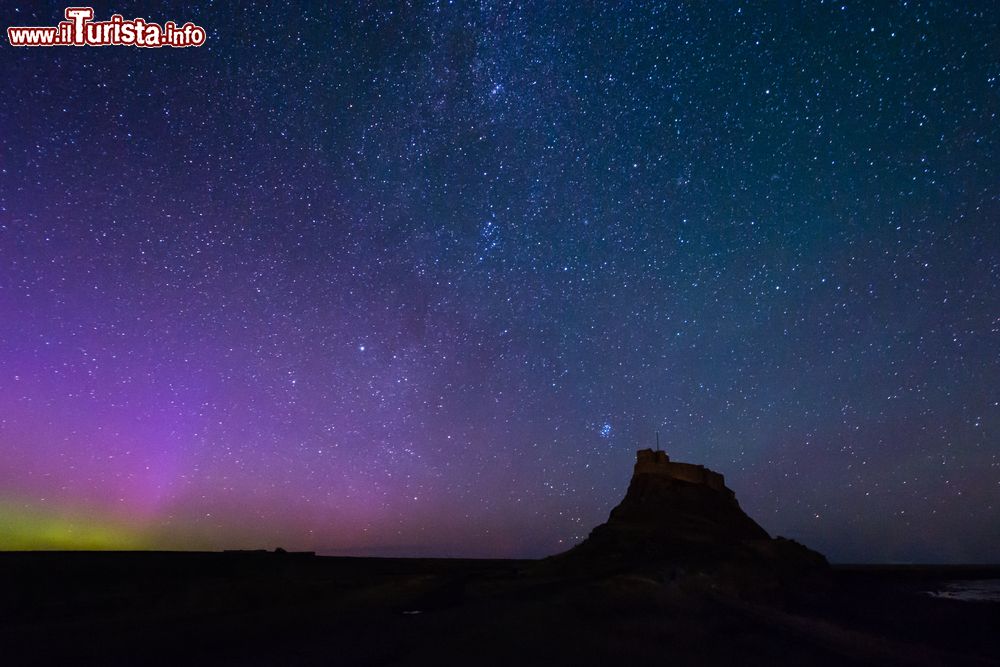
<point x="648" y="462"/>
<point x="684" y="515"/>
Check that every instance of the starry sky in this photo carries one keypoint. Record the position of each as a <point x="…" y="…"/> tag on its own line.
<point x="419" y="278"/>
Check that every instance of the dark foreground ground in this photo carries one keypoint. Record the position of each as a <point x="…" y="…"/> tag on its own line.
<point x="284" y="609"/>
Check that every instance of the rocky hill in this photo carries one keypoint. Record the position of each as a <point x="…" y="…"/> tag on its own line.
<point x="683" y="516"/>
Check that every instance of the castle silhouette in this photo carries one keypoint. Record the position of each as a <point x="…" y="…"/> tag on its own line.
<point x="648" y="462"/>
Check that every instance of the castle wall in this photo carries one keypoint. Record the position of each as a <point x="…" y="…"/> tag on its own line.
<point x="658" y="463"/>
<point x="696" y="474"/>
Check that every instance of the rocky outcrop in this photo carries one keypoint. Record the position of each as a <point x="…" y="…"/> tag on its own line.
<point x="684" y="516"/>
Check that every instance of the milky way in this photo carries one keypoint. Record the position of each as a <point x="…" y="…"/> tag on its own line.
<point x="420" y="281"/>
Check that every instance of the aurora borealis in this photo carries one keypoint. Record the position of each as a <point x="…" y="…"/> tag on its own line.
<point x="419" y="278"/>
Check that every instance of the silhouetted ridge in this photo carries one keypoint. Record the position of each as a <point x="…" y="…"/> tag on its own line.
<point x="684" y="514"/>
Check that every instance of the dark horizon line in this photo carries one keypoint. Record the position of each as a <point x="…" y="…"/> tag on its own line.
<point x="315" y="554"/>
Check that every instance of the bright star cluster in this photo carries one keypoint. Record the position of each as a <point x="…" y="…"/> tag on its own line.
<point x="419" y="278"/>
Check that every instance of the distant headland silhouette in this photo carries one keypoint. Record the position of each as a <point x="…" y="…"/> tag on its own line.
<point x="682" y="515"/>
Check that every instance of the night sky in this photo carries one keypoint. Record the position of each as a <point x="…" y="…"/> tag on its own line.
<point x="420" y="279"/>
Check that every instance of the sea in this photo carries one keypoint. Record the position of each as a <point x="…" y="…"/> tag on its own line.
<point x="971" y="590"/>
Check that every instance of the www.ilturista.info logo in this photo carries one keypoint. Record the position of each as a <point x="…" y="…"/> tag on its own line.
<point x="80" y="30"/>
